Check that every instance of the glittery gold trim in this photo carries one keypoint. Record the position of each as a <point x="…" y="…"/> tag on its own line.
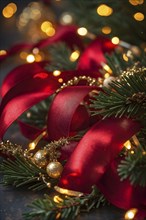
<point x="68" y="192"/>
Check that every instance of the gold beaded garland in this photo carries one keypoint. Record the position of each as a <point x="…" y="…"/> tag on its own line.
<point x="54" y="169"/>
<point x="40" y="158"/>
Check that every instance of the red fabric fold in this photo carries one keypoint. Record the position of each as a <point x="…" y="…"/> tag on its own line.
<point x="94" y="54"/>
<point x="23" y="96"/>
<point x="63" y="108"/>
<point x="21" y="73"/>
<point x="121" y="193"/>
<point x="98" y="147"/>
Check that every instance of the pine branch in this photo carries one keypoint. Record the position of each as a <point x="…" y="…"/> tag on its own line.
<point x="64" y="207"/>
<point x="126" y="96"/>
<point x="133" y="167"/>
<point x="37" y="115"/>
<point x="60" y="58"/>
<point x="20" y="171"/>
<point x="117" y="63"/>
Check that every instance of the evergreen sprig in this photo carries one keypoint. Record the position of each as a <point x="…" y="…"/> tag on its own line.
<point x="117" y="63"/>
<point x="133" y="167"/>
<point x="20" y="171"/>
<point x="37" y="115"/>
<point x="126" y="96"/>
<point x="64" y="207"/>
<point x="60" y="58"/>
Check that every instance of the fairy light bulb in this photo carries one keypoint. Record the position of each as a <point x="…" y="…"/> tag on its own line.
<point x="130" y="214"/>
<point x="30" y="58"/>
<point x="82" y="31"/>
<point x="106" y="30"/>
<point x="56" y="73"/>
<point x="104" y="10"/>
<point x="127" y="144"/>
<point x="138" y="16"/>
<point x="9" y="10"/>
<point x="115" y="40"/>
<point x="3" y="52"/>
<point x="45" y="25"/>
<point x="74" y="55"/>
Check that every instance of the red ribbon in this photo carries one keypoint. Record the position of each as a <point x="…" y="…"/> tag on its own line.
<point x="93" y="55"/>
<point x="60" y="118"/>
<point x="98" y="147"/>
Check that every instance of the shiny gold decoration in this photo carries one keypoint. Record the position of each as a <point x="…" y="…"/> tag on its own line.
<point x="68" y="192"/>
<point x="108" y="80"/>
<point x="54" y="169"/>
<point x="75" y="80"/>
<point x="40" y="158"/>
<point x="74" y="55"/>
<point x="9" y="148"/>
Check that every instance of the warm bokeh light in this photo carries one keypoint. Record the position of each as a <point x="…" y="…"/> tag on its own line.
<point x="82" y="31"/>
<point x="60" y="80"/>
<point x="138" y="16"/>
<point x="38" y="58"/>
<point x="136" y="2"/>
<point x="3" y="52"/>
<point x="115" y="40"/>
<point x="23" y="55"/>
<point x="130" y="214"/>
<point x="56" y="73"/>
<point x="106" y="75"/>
<point x="106" y="30"/>
<point x="50" y="31"/>
<point x="125" y="57"/>
<point x="74" y="56"/>
<point x="32" y="146"/>
<point x="30" y="58"/>
<point x="45" y="25"/>
<point x="66" y="18"/>
<point x="127" y="144"/>
<point x="104" y="10"/>
<point x="35" y="50"/>
<point x="9" y="10"/>
<point x="57" y="199"/>
<point x="107" y="68"/>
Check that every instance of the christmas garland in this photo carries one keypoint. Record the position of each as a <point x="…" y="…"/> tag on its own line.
<point x="85" y="133"/>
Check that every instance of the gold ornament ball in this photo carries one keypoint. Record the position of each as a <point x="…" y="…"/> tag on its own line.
<point x="40" y="158"/>
<point x="54" y="169"/>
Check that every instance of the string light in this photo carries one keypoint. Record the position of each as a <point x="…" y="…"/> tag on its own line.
<point x="56" y="73"/>
<point x="23" y="55"/>
<point x="35" y="50"/>
<point x="104" y="10"/>
<point x="66" y="18"/>
<point x="9" y="10"/>
<point x="136" y="2"/>
<point x="60" y="80"/>
<point x="50" y="31"/>
<point x="127" y="144"/>
<point x="82" y="31"/>
<point x="106" y="30"/>
<point x="130" y="214"/>
<point x="125" y="57"/>
<point x="74" y="56"/>
<point x="45" y="25"/>
<point x="30" y="58"/>
<point x="115" y="40"/>
<point x="107" y="68"/>
<point x="138" y="16"/>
